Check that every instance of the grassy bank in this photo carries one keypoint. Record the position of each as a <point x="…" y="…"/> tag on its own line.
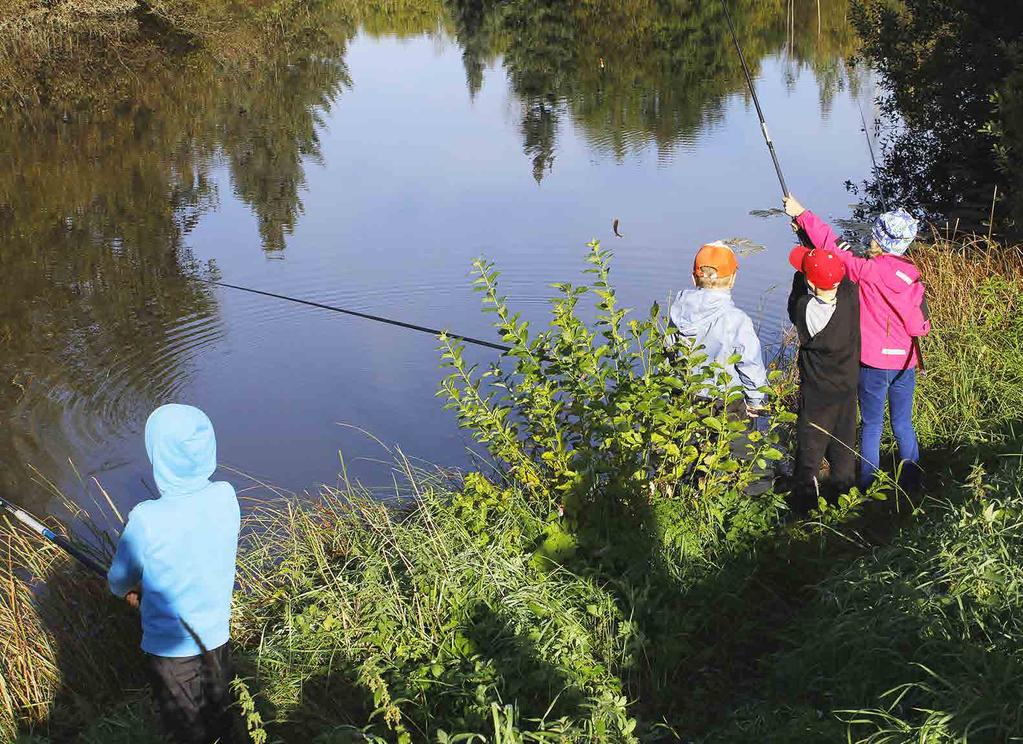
<point x="607" y="580"/>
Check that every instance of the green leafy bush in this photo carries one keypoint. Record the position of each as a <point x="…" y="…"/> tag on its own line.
<point x="615" y="422"/>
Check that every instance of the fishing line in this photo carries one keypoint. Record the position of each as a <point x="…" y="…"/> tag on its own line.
<point x="873" y="159"/>
<point x="365" y="316"/>
<point x="756" y="101"/>
<point x="49" y="535"/>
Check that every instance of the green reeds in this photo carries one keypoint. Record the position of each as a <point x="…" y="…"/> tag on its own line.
<point x="917" y="641"/>
<point x="409" y="621"/>
<point x="65" y="639"/>
<point x="971" y="393"/>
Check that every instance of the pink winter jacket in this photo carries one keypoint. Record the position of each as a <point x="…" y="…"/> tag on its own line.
<point x="892" y="308"/>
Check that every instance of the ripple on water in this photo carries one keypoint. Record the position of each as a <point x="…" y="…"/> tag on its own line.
<point x="90" y="401"/>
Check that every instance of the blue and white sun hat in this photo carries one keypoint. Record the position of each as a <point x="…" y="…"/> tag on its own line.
<point x="894" y="231"/>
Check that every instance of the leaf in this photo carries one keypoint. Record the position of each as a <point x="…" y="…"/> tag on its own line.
<point x="713" y="423"/>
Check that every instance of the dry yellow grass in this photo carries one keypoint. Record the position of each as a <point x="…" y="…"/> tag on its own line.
<point x="62" y="632"/>
<point x="969" y="394"/>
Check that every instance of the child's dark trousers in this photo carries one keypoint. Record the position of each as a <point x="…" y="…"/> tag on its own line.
<point x="826" y="428"/>
<point x="193" y="696"/>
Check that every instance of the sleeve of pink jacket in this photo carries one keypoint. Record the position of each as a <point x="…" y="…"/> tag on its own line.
<point x="822" y="236"/>
<point x="914" y="314"/>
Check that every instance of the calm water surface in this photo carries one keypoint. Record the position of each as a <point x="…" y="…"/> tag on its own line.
<point x="368" y="174"/>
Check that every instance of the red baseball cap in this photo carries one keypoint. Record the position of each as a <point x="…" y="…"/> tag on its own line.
<point x="822" y="268"/>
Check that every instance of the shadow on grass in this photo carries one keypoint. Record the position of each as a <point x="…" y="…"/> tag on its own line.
<point x="92" y="641"/>
<point x="539" y="690"/>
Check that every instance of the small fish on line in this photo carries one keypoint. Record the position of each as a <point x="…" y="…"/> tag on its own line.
<point x="614" y="226"/>
<point x="744" y="246"/>
<point x="765" y="213"/>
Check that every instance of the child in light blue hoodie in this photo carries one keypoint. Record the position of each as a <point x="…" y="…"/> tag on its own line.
<point x="178" y="553"/>
<point x="709" y="317"/>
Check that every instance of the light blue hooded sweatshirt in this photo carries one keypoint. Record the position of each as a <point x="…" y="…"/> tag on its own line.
<point x="182" y="546"/>
<point x="711" y="320"/>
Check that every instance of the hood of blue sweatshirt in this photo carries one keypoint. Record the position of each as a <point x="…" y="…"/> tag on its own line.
<point x="181" y="547"/>
<point x="182" y="448"/>
<point x="696" y="309"/>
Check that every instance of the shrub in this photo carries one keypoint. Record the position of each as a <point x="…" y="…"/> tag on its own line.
<point x="616" y="423"/>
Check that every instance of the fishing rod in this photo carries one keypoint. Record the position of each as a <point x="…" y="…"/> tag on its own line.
<point x="366" y="316"/>
<point x="873" y="159"/>
<point x="46" y="533"/>
<point x="756" y="100"/>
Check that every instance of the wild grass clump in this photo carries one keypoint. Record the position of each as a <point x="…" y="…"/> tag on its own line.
<point x="917" y="641"/>
<point x="407" y="622"/>
<point x="970" y="394"/>
<point x="65" y="640"/>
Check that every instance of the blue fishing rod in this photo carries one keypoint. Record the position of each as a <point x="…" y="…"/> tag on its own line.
<point x="33" y="524"/>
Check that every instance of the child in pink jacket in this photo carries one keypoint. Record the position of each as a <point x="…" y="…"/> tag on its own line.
<point x="893" y="315"/>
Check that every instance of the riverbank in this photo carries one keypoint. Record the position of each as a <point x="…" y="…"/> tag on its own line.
<point x="542" y="606"/>
<point x="91" y="56"/>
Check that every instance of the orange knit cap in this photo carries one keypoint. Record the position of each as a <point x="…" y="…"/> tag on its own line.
<point x="717" y="256"/>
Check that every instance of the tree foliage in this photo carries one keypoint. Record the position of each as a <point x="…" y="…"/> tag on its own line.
<point x="950" y="69"/>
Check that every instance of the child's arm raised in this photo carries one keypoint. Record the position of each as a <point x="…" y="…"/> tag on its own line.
<point x="822" y="236"/>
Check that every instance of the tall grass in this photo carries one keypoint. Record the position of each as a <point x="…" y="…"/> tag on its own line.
<point x="467" y="609"/>
<point x="971" y="392"/>
<point x="63" y="635"/>
<point x="917" y="641"/>
<point x="359" y="622"/>
<point x="405" y="622"/>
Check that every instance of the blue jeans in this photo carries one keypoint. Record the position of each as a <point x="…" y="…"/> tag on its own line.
<point x="896" y="386"/>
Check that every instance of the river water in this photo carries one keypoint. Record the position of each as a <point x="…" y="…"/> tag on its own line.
<point x="367" y="171"/>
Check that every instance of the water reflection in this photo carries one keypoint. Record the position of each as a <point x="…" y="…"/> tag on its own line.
<point x="99" y="321"/>
<point x="634" y="74"/>
<point x="100" y="194"/>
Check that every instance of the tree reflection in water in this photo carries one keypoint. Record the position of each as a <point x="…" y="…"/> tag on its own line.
<point x="107" y="153"/>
